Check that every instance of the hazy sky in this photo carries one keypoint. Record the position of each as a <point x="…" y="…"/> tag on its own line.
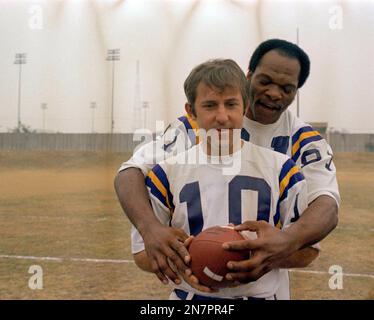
<point x="67" y="41"/>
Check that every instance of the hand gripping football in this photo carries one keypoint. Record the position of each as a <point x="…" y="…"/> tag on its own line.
<point x="209" y="259"/>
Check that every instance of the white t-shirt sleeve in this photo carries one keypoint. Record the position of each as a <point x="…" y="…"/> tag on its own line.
<point x="173" y="141"/>
<point x="161" y="201"/>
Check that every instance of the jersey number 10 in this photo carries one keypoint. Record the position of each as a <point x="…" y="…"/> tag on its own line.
<point x="190" y="193"/>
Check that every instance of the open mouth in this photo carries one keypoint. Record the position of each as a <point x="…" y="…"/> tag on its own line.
<point x="269" y="106"/>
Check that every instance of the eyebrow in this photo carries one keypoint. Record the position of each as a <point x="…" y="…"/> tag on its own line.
<point x="271" y="79"/>
<point x="232" y="99"/>
<point x="215" y="101"/>
<point x="208" y="101"/>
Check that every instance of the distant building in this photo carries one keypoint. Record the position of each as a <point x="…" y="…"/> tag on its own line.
<point x="321" y="127"/>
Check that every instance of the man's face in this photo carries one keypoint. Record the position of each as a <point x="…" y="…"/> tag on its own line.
<point x="273" y="87"/>
<point x="216" y="109"/>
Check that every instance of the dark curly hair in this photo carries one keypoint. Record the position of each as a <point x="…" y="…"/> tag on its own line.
<point x="285" y="48"/>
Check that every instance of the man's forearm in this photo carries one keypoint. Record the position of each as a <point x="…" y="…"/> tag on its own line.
<point x="161" y="242"/>
<point x="316" y="222"/>
<point x="300" y="259"/>
<point x="134" y="199"/>
<point x="142" y="261"/>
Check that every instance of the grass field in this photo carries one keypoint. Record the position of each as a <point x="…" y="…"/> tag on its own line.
<point x="58" y="210"/>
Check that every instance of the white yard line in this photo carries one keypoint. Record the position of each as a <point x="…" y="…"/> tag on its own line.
<point x="353" y="228"/>
<point x="325" y="272"/>
<point x="2" y="256"/>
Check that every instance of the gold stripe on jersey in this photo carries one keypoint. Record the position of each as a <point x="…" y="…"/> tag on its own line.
<point x="283" y="184"/>
<point x="194" y="126"/>
<point x="156" y="181"/>
<point x="279" y="224"/>
<point x="302" y="137"/>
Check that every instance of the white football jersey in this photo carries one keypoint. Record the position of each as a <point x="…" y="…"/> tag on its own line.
<point x="289" y="135"/>
<point x="194" y="196"/>
<point x="178" y="137"/>
<point x="304" y="145"/>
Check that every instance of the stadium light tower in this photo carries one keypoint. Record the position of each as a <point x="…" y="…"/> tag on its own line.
<point x="113" y="55"/>
<point x="20" y="59"/>
<point x="93" y="106"/>
<point x="44" y="107"/>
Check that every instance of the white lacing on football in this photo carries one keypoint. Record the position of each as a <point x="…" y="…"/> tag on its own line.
<point x="212" y="275"/>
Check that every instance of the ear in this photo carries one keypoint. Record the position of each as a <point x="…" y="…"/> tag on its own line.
<point x="188" y="109"/>
<point x="249" y="75"/>
<point x="246" y="107"/>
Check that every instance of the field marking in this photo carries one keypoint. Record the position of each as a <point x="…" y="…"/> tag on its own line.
<point x="354" y="229"/>
<point x="101" y="260"/>
<point x="325" y="272"/>
<point x="3" y="256"/>
<point x="100" y="219"/>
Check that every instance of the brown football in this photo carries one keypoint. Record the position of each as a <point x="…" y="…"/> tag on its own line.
<point x="209" y="259"/>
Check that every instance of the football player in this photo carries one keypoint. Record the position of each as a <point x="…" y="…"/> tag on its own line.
<point x="277" y="69"/>
<point x="193" y="191"/>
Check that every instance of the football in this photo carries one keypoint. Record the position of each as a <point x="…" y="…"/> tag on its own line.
<point x="209" y="259"/>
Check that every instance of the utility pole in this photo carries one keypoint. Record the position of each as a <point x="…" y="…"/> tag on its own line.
<point x="145" y="107"/>
<point x="137" y="116"/>
<point x="297" y="93"/>
<point x="113" y="55"/>
<point x="44" y="107"/>
<point x="93" y="107"/>
<point x="20" y="60"/>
